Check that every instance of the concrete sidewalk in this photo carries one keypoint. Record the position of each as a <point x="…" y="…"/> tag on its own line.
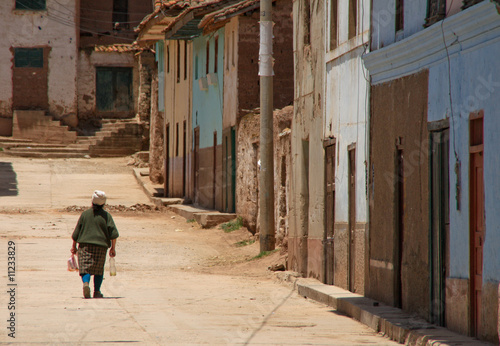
<point x="205" y="217"/>
<point x="390" y="321"/>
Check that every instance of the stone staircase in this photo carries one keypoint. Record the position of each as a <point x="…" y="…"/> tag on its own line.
<point x="115" y="138"/>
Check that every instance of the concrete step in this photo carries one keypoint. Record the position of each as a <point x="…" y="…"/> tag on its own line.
<point x="42" y="154"/>
<point x="48" y="149"/>
<point x="209" y="220"/>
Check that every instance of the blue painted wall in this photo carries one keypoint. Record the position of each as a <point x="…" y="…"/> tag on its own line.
<point x="208" y="104"/>
<point x="475" y="85"/>
<point x="160" y="56"/>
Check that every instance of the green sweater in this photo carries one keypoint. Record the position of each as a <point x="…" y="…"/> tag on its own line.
<point x="95" y="227"/>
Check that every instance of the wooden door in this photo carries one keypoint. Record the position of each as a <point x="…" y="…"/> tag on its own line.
<point x="329" y="214"/>
<point x="399" y="232"/>
<point x="184" y="157"/>
<point x="477" y="224"/>
<point x="166" y="187"/>
<point x="440" y="221"/>
<point x="30" y="78"/>
<point x="196" y="165"/>
<point x="214" y="180"/>
<point x="352" y="220"/>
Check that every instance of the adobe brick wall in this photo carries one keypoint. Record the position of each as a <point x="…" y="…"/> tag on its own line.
<point x="248" y="58"/>
<point x="399" y="109"/>
<point x="97" y="18"/>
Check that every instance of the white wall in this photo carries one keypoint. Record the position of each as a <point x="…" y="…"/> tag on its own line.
<point x="52" y="28"/>
<point x="347" y="109"/>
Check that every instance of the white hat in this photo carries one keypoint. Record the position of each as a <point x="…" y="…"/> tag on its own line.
<point x="99" y="197"/>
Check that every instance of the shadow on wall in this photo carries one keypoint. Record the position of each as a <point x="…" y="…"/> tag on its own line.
<point x="8" y="180"/>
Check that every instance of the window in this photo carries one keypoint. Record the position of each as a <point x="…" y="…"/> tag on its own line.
<point x="208" y="58"/>
<point x="120" y="11"/>
<point x="233" y="48"/>
<point x="114" y="89"/>
<point x="333" y="23"/>
<point x="216" y="49"/>
<point x="400" y="18"/>
<point x="28" y="57"/>
<point x="185" y="60"/>
<point x="353" y="18"/>
<point x="30" y="5"/>
<point x="196" y="67"/>
<point x="307" y="22"/>
<point x="436" y="10"/>
<point x="178" y="61"/>
<point x="168" y="59"/>
<point x="177" y="139"/>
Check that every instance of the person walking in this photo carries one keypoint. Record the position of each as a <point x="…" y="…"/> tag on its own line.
<point x="94" y="233"/>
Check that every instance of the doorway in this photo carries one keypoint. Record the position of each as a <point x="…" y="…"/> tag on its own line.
<point x="329" y="240"/>
<point x="196" y="165"/>
<point x="166" y="190"/>
<point x="351" y="247"/>
<point x="440" y="223"/>
<point x="476" y="219"/>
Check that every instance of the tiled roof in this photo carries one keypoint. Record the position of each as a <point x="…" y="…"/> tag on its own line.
<point x="169" y="6"/>
<point x="228" y="11"/>
<point x="119" y="48"/>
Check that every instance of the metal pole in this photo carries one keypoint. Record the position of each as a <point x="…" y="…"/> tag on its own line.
<point x="266" y="177"/>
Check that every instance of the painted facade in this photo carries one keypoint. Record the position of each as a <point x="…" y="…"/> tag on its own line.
<point x="46" y="84"/>
<point x="329" y="217"/>
<point x="52" y="49"/>
<point x="307" y="193"/>
<point x="440" y="70"/>
<point x="346" y="119"/>
<point x="176" y="86"/>
<point x="207" y="114"/>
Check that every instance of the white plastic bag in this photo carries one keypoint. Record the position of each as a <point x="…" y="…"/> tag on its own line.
<point x="72" y="263"/>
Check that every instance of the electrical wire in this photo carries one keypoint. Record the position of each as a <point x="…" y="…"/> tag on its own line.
<point x="450" y="92"/>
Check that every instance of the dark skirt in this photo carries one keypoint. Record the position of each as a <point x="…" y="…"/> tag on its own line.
<point x="91" y="259"/>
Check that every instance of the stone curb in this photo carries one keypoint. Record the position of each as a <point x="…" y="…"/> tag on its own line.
<point x="392" y="322"/>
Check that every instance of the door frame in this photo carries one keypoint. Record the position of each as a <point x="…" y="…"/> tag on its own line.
<point x="330" y="147"/>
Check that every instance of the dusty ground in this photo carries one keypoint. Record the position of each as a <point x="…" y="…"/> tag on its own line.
<point x="177" y="284"/>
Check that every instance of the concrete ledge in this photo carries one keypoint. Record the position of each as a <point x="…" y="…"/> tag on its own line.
<point x="186" y="211"/>
<point x="392" y="322"/>
<point x="165" y="202"/>
<point x="208" y="220"/>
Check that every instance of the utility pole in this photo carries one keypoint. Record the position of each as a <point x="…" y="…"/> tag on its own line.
<point x="266" y="176"/>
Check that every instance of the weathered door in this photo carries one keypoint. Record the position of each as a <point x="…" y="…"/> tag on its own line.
<point x="184" y="157"/>
<point x="352" y="220"/>
<point x="329" y="214"/>
<point x="214" y="180"/>
<point x="229" y="170"/>
<point x="477" y="224"/>
<point x="399" y="231"/>
<point x="196" y="165"/>
<point x="440" y="222"/>
<point x="30" y="79"/>
<point x="166" y="187"/>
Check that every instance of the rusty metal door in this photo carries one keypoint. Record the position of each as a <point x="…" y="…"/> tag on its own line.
<point x="329" y="214"/>
<point x="352" y="220"/>
<point x="477" y="224"/>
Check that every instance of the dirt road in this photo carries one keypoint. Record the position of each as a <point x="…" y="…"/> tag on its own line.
<point x="177" y="284"/>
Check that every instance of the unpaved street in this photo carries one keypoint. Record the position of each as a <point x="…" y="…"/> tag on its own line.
<point x="177" y="284"/>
